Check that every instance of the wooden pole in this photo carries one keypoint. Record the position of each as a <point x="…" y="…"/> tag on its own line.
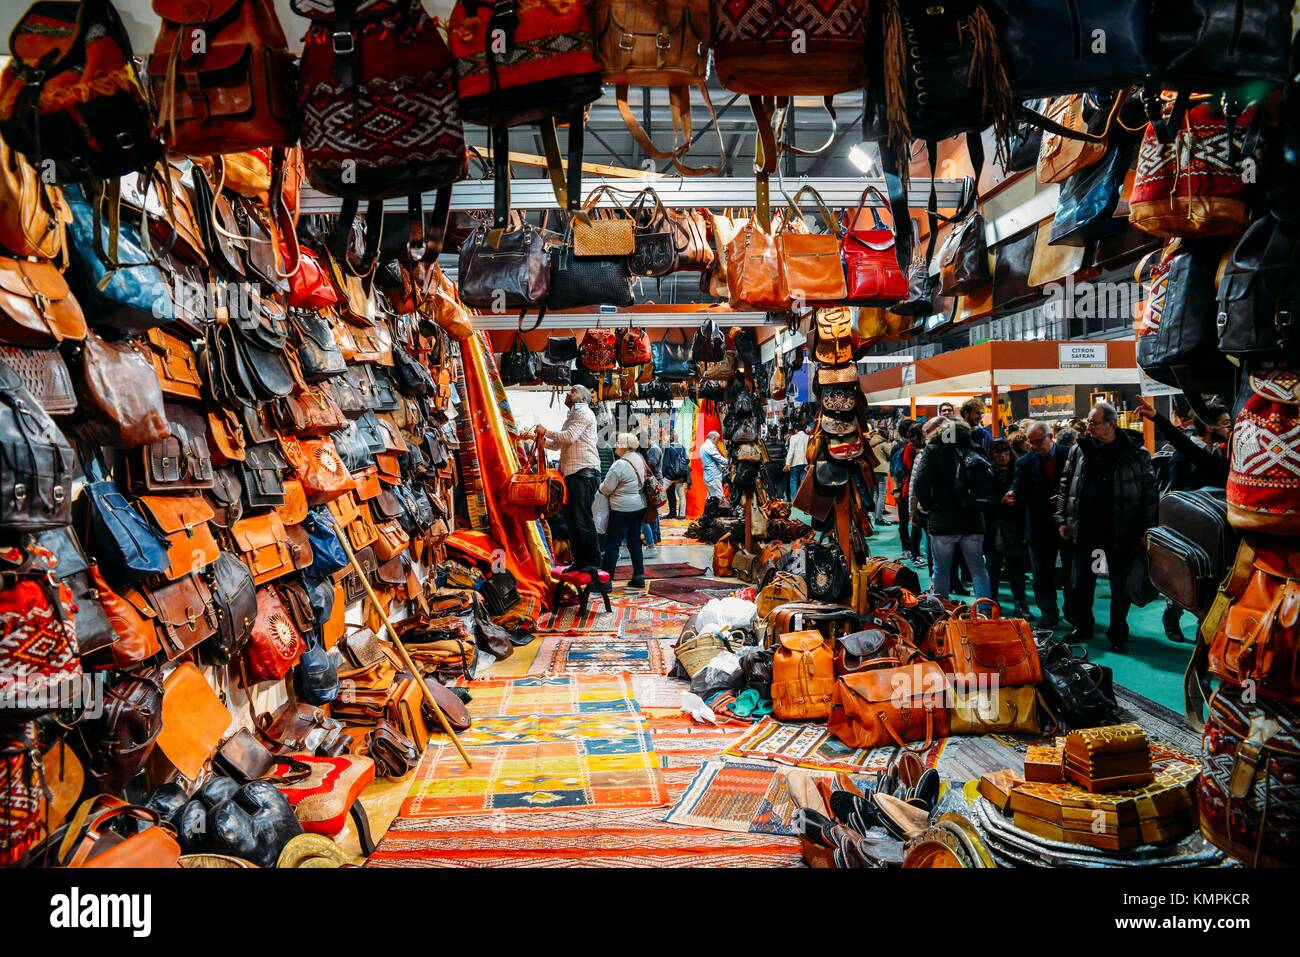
<point x="401" y="648"/>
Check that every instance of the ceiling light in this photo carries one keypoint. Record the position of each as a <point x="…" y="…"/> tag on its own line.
<point x="861" y="157"/>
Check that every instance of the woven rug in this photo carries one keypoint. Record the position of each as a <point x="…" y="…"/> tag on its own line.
<point x="593" y="837"/>
<point x="806" y="746"/>
<point x="693" y="591"/>
<point x="657" y="629"/>
<point x="567" y="619"/>
<point x="561" y="655"/>
<point x="543" y="743"/>
<point x="666" y="570"/>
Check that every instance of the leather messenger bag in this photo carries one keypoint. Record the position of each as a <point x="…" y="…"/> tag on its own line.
<point x="890" y="706"/>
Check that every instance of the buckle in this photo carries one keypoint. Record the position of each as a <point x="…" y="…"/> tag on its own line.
<point x="627" y="41"/>
<point x="58" y="494"/>
<point x="20" y="493"/>
<point x="340" y="36"/>
<point x="663" y="41"/>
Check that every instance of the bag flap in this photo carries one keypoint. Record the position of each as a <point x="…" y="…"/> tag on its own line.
<point x="921" y="680"/>
<point x="175" y="513"/>
<point x="193" y="720"/>
<point x="182" y="602"/>
<point x="258" y="531"/>
<point x="864" y="644"/>
<point x="294" y="508"/>
<point x="28" y="279"/>
<point x="183" y="11"/>
<point x="802" y="641"/>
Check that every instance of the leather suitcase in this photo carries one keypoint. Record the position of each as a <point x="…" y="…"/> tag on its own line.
<point x="1192" y="547"/>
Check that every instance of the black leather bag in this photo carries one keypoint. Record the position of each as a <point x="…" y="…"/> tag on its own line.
<point x="1183" y="348"/>
<point x="826" y="570"/>
<point x="234" y="595"/>
<point x="180" y="462"/>
<point x="555" y="373"/>
<point x="561" y="348"/>
<point x="1012" y="260"/>
<point x="1049" y="46"/>
<point x="352" y="448"/>
<point x="94" y="631"/>
<point x="1079" y="692"/>
<point x="708" y="344"/>
<point x="371" y="432"/>
<point x="518" y="364"/>
<point x="514" y="275"/>
<point x="384" y="398"/>
<point x="1190" y="550"/>
<point x="655" y="251"/>
<point x="588" y="280"/>
<point x="319" y="355"/>
<point x="351" y="399"/>
<point x="500" y="593"/>
<point x="672" y="360"/>
<point x="37" y="465"/>
<point x="411" y="376"/>
<point x="1086" y="208"/>
<point x="964" y="257"/>
<point x="1213" y="44"/>
<point x="1259" y="294"/>
<point x="263" y="474"/>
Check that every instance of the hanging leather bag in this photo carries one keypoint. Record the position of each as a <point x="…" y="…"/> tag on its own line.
<point x="37" y="465"/>
<point x="1259" y="293"/>
<point x="871" y="269"/>
<point x="813" y="270"/>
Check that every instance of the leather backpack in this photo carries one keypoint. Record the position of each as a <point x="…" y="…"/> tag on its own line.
<point x="598" y="350"/>
<point x="1259" y="293"/>
<point x="222" y="76"/>
<point x="724" y="557"/>
<point x="634" y="347"/>
<point x="362" y="60"/>
<point x="783" y="588"/>
<point x="37" y="465"/>
<point x="659" y="44"/>
<point x="101" y="130"/>
<point x="803" y="676"/>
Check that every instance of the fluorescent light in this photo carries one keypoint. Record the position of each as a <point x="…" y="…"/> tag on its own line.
<point x="861" y="157"/>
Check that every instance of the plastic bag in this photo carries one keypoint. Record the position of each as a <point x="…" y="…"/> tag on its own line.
<point x="724" y="614"/>
<point x="722" y="673"/>
<point x="600" y="513"/>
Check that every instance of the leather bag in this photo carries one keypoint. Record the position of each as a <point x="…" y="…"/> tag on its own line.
<point x="964" y="256"/>
<point x="234" y="596"/>
<point x="1259" y="292"/>
<point x="180" y="462"/>
<point x="672" y="360"/>
<point x="811" y="262"/>
<point x="184" y="520"/>
<point x="872" y="272"/>
<point x="1191" y="547"/>
<point x="993" y="647"/>
<point x="890" y="706"/>
<point x="535" y="492"/>
<point x="45" y="375"/>
<point x="518" y="364"/>
<point x="37" y="465"/>
<point x="803" y="676"/>
<point x="515" y="274"/>
<point x="182" y="613"/>
<point x="194" y="720"/>
<point x="826" y="570"/>
<point x="275" y="643"/>
<point x="121" y="400"/>
<point x="263" y="545"/>
<point x="1060" y="156"/>
<point x="1089" y="198"/>
<point x="37" y="309"/>
<point x="755" y="279"/>
<point x="1263" y="452"/>
<point x="997" y="710"/>
<point x="33" y="215"/>
<point x="755" y="53"/>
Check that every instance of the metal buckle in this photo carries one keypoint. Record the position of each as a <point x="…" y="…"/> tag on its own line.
<point x="339" y="48"/>
<point x="20" y="493"/>
<point x="627" y="41"/>
<point x="58" y="494"/>
<point x="663" y="41"/>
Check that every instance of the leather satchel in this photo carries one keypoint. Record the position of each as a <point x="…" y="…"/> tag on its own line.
<point x="995" y="647"/>
<point x="1059" y="156"/>
<point x="803" y="676"/>
<point x="135" y="639"/>
<point x="890" y="706"/>
<point x="275" y="643"/>
<point x="263" y="546"/>
<point x="180" y="462"/>
<point x="194" y="720"/>
<point x="964" y="256"/>
<point x="37" y="308"/>
<point x="994" y="710"/>
<point x="515" y="274"/>
<point x="184" y="520"/>
<point x="182" y="613"/>
<point x="535" y="491"/>
<point x="262" y="471"/>
<point x="1191" y="548"/>
<point x="234" y="596"/>
<point x="319" y="354"/>
<point x="655" y="251"/>
<point x="176" y="364"/>
<point x="121" y="402"/>
<point x="318" y="467"/>
<point x="311" y="412"/>
<point x="119" y="742"/>
<point x="37" y="465"/>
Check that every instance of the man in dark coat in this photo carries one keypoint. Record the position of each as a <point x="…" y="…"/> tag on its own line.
<point x="1108" y="500"/>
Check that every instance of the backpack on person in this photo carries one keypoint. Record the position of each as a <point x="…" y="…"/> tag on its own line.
<point x="974" y="481"/>
<point x="896" y="467"/>
<point x="653" y="490"/>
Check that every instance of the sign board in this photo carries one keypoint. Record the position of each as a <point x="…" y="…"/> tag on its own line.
<point x="1083" y="355"/>
<point x="909" y="374"/>
<point x="1052" y="402"/>
<point x="1149" y="386"/>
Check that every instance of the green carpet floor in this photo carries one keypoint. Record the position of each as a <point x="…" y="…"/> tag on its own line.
<point x="1153" y="665"/>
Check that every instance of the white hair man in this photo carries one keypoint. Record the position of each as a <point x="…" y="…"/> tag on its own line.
<point x="580" y="465"/>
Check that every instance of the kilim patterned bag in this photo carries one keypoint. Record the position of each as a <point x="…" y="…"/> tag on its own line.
<point x="379" y="113"/>
<point x="39" y="662"/>
<point x="1264" y="480"/>
<point x="756" y="52"/>
<point x="22" y="796"/>
<point x="1196" y="184"/>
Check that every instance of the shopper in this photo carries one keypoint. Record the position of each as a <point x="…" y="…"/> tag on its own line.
<point x="796" y="460"/>
<point x="972" y="413"/>
<point x="627" y="505"/>
<point x="1036" y="489"/>
<point x="715" y="465"/>
<point x="653" y="456"/>
<point x="1108" y="500"/>
<point x="1005" y="550"/>
<point x="777" y="444"/>
<point x="1200" y="460"/>
<point x="1066" y="438"/>
<point x="580" y="465"/>
<point x="677" y="473"/>
<point x="909" y="537"/>
<point x="880" y="445"/>
<point x="953" y="486"/>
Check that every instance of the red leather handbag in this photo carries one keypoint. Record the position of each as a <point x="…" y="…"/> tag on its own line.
<point x="634" y="347"/>
<point x="275" y="644"/>
<point x="870" y="262"/>
<point x="310" y="286"/>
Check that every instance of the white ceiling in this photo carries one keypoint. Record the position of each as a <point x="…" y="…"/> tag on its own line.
<point x="142" y="23"/>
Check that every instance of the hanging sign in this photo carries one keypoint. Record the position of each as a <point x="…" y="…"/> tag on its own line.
<point x="1083" y="355"/>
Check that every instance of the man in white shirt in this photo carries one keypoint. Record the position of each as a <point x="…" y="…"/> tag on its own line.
<point x="796" y="459"/>
<point x="714" y="464"/>
<point x="580" y="465"/>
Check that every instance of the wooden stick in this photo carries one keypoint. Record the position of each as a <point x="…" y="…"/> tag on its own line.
<point x="401" y="648"/>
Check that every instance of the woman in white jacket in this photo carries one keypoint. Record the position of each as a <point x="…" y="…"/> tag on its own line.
<point x="623" y="487"/>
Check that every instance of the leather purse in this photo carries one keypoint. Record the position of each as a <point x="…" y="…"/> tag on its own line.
<point x="518" y="364"/>
<point x="135" y="638"/>
<point x="890" y="706"/>
<point x="1088" y="200"/>
<point x="37" y="309"/>
<point x="181" y="611"/>
<point x="46" y="377"/>
<point x="755" y="279"/>
<point x="319" y="354"/>
<point x="600" y="235"/>
<point x="319" y="468"/>
<point x="1191" y="547"/>
<point x="263" y="545"/>
<point x="37" y="465"/>
<point x="1012" y="260"/>
<point x="811" y="263"/>
<point x="655" y="251"/>
<point x="513" y="274"/>
<point x="194" y="720"/>
<point x="180" y="462"/>
<point x="994" y="647"/>
<point x="176" y="365"/>
<point x="672" y="360"/>
<point x="311" y="412"/>
<point x="535" y="491"/>
<point x="826" y="570"/>
<point x="275" y="643"/>
<point x="964" y="256"/>
<point x="262" y="473"/>
<point x="995" y="710"/>
<point x="183" y="519"/>
<point x="872" y="272"/>
<point x="691" y="245"/>
<point x="91" y="840"/>
<point x="72" y="569"/>
<point x="121" y="402"/>
<point x="121" y="740"/>
<point x="577" y="281"/>
<point x="33" y="215"/>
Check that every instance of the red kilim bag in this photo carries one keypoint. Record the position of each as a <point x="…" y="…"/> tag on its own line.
<point x="755" y="48"/>
<point x="598" y="351"/>
<point x="1264" y="479"/>
<point x="1195" y="185"/>
<point x="379" y="114"/>
<point x="40" y="668"/>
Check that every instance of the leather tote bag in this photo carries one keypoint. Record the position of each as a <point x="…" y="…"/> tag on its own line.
<point x="755" y="279"/>
<point x="655" y="252"/>
<point x="578" y="281"/>
<point x="811" y="262"/>
<point x="672" y="360"/>
<point x="515" y="274"/>
<point x="518" y="364"/>
<point x="1089" y="198"/>
<point x="964" y="256"/>
<point x="872" y="274"/>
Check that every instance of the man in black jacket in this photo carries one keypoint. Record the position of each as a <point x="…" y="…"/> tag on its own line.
<point x="1036" y="486"/>
<point x="1108" y="500"/>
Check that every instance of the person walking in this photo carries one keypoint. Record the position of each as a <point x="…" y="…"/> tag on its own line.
<point x="653" y="456"/>
<point x="880" y="445"/>
<point x="909" y="536"/>
<point x="777" y="443"/>
<point x="1200" y="460"/>
<point x="1035" y="488"/>
<point x="1108" y="500"/>
<point x="623" y="487"/>
<point x="1005" y="551"/>
<point x="677" y="473"/>
<point x="953" y="486"/>
<point x="715" y="466"/>
<point x="796" y="460"/>
<point x="580" y="466"/>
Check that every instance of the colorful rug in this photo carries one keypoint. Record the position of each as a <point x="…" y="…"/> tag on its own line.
<point x="806" y="746"/>
<point x="561" y="655"/>
<point x="666" y="570"/>
<point x="593" y="837"/>
<point x="567" y="619"/>
<point x="737" y="796"/>
<point x="543" y="743"/>
<point x="693" y="591"/>
<point x="652" y="629"/>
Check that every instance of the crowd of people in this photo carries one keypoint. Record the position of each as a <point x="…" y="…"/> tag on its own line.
<point x="1055" y="506"/>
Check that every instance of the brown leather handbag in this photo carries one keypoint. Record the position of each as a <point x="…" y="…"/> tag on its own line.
<point x="33" y="215"/>
<point x="535" y="492"/>
<point x="176" y="364"/>
<point x="121" y="403"/>
<point x="91" y="841"/>
<point x="226" y="441"/>
<point x="182" y="612"/>
<point x="355" y="519"/>
<point x="1060" y="157"/>
<point x="275" y="644"/>
<point x="263" y="546"/>
<point x="891" y="706"/>
<point x="996" y="647"/>
<point x="318" y="467"/>
<point x="235" y="90"/>
<point x="312" y="412"/>
<point x="36" y="306"/>
<point x="755" y="279"/>
<point x="803" y="676"/>
<point x="184" y="520"/>
<point x="964" y="256"/>
<point x="811" y="262"/>
<point x="137" y="638"/>
<point x="194" y="720"/>
<point x="293" y="510"/>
